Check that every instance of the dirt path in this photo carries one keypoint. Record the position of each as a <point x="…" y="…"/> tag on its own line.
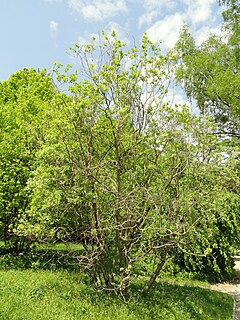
<point x="232" y="288"/>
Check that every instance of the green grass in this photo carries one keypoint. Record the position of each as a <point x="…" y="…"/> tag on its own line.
<point x="64" y="295"/>
<point x="45" y="283"/>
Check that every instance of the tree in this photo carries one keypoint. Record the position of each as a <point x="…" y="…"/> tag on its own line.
<point x="121" y="170"/>
<point x="23" y="97"/>
<point x="232" y="25"/>
<point x="209" y="72"/>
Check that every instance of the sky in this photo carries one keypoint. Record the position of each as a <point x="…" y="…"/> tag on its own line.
<point x="35" y="33"/>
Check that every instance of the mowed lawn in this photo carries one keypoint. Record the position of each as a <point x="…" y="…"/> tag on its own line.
<point x="64" y="295"/>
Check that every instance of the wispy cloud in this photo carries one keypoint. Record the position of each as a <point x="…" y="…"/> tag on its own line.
<point x="203" y="33"/>
<point x="98" y="10"/>
<point x="167" y="29"/>
<point x="199" y="10"/>
<point x="194" y="13"/>
<point x="153" y="9"/>
<point x="121" y="34"/>
<point x="53" y="27"/>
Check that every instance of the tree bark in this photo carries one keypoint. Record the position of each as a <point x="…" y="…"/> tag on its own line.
<point x="161" y="263"/>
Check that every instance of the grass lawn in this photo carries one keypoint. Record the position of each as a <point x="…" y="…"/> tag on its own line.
<point x="65" y="295"/>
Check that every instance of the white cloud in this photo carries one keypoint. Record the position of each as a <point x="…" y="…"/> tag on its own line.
<point x="199" y="10"/>
<point x="120" y="31"/>
<point x="53" y="27"/>
<point x="158" y="5"/>
<point x="147" y="18"/>
<point x="203" y="33"/>
<point x="154" y="8"/>
<point x="167" y="29"/>
<point x="121" y="34"/>
<point x="202" y="19"/>
<point x="98" y="10"/>
<point x="198" y="14"/>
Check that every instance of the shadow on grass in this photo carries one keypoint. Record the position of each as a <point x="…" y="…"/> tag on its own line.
<point x="46" y="259"/>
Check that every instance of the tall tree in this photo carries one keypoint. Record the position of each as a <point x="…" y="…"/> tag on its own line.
<point x="121" y="170"/>
<point x="231" y="18"/>
<point x="210" y="73"/>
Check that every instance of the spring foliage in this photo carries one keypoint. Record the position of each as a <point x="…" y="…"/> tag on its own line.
<point x="99" y="156"/>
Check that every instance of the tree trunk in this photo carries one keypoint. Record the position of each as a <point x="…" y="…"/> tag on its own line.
<point x="161" y="263"/>
<point x="118" y="205"/>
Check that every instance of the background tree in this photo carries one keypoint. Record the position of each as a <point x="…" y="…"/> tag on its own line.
<point x="209" y="72"/>
<point x="23" y="97"/>
<point x="232" y="25"/>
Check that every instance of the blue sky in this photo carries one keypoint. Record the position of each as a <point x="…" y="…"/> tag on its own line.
<point x="35" y="33"/>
